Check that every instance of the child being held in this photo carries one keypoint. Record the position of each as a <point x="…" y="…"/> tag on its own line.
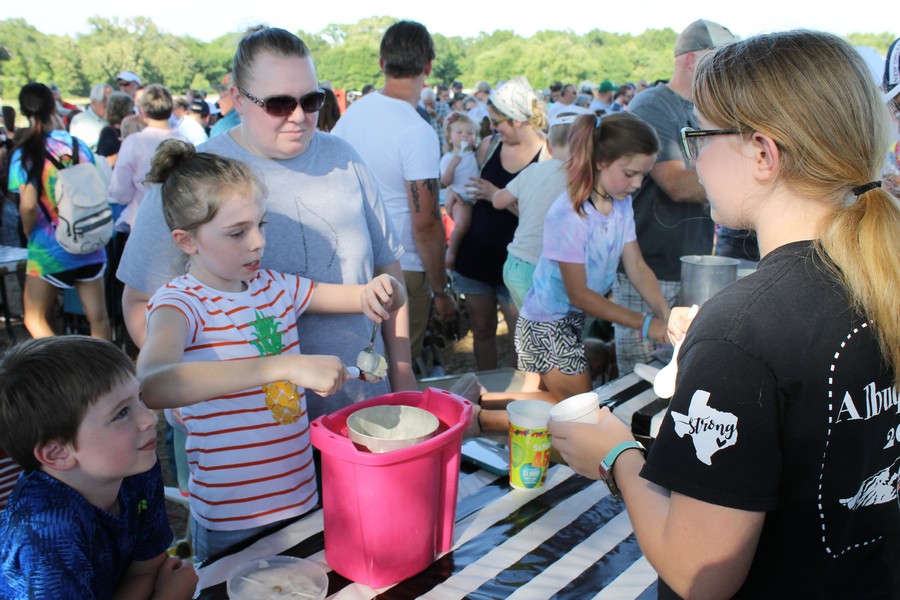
<point x="457" y="167"/>
<point x="87" y="517"/>
<point x="224" y="348"/>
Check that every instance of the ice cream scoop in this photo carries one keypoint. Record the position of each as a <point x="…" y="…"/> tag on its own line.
<point x="372" y="366"/>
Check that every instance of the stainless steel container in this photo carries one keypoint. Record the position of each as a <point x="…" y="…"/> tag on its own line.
<point x="703" y="276"/>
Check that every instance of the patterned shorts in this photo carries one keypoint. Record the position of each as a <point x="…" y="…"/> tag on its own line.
<point x="555" y="345"/>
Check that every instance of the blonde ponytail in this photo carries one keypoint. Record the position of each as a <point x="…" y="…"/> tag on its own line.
<point x="860" y="243"/>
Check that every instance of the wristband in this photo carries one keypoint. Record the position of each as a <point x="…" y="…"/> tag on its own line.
<point x="606" y="465"/>
<point x="645" y="329"/>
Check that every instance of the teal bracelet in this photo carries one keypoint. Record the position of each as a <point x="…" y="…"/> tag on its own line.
<point x="645" y="330"/>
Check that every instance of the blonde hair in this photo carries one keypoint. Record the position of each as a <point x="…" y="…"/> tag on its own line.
<point x="458" y="117"/>
<point x="195" y="183"/>
<point x="812" y="93"/>
<point x="538" y="114"/>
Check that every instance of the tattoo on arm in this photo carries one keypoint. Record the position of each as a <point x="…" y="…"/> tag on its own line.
<point x="430" y="188"/>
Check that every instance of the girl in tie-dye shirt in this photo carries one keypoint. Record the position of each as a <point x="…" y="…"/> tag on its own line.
<point x="588" y="229"/>
<point x="33" y="176"/>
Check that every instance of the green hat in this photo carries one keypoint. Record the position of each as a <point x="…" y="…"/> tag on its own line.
<point x="606" y="86"/>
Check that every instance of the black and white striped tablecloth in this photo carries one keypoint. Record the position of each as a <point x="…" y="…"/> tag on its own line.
<point x="632" y="400"/>
<point x="567" y="540"/>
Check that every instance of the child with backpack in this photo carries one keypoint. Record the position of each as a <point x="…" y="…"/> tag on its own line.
<point x="33" y="173"/>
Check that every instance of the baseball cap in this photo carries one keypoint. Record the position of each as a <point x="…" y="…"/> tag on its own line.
<point x="482" y="86"/>
<point x="606" y="86"/>
<point x="200" y="106"/>
<point x="586" y="86"/>
<point x="568" y="115"/>
<point x="702" y="35"/>
<point x="892" y="71"/>
<point x="129" y="77"/>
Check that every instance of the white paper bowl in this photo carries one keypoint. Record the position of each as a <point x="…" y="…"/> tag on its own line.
<point x="274" y="577"/>
<point x="390" y="427"/>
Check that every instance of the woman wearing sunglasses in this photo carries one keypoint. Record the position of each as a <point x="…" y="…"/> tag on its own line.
<point x="775" y="471"/>
<point x="518" y="118"/>
<point x="325" y="217"/>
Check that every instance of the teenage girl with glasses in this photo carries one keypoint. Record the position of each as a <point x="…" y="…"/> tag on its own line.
<point x="776" y="467"/>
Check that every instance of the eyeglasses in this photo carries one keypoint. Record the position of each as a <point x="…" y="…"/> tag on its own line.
<point x="283" y="105"/>
<point x="496" y="122"/>
<point x="692" y="139"/>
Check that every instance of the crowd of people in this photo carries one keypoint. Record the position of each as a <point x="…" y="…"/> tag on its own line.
<point x="259" y="237"/>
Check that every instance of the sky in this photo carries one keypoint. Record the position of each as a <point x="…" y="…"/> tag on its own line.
<point x="467" y="19"/>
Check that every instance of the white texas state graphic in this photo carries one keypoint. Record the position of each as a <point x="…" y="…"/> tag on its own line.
<point x="710" y="429"/>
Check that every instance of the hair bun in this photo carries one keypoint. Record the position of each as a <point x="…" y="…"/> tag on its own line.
<point x="169" y="157"/>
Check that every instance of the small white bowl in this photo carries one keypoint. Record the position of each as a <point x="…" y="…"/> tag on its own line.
<point x="273" y="577"/>
<point x="390" y="427"/>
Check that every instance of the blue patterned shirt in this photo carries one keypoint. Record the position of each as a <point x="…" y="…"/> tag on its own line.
<point x="54" y="544"/>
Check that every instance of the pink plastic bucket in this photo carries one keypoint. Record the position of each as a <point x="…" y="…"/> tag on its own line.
<point x="388" y="516"/>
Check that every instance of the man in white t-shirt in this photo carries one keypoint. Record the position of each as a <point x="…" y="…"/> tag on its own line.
<point x="566" y="100"/>
<point x="403" y="153"/>
<point x="193" y="124"/>
<point x="87" y="125"/>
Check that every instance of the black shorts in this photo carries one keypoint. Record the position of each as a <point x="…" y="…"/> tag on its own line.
<point x="66" y="280"/>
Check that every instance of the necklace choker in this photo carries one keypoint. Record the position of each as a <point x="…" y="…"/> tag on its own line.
<point x="604" y="195"/>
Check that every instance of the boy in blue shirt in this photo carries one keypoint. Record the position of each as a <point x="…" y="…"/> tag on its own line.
<point x="87" y="517"/>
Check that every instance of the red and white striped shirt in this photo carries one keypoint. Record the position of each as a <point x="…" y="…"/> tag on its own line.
<point x="247" y="468"/>
<point x="9" y="475"/>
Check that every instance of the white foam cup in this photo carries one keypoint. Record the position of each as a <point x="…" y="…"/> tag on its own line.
<point x="528" y="414"/>
<point x="584" y="408"/>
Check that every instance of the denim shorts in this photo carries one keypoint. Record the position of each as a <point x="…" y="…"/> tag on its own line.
<point x="471" y="287"/>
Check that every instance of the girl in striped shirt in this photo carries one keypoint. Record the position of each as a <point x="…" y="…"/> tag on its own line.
<point x="223" y="348"/>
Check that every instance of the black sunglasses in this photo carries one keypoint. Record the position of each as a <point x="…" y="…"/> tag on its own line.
<point x="283" y="105"/>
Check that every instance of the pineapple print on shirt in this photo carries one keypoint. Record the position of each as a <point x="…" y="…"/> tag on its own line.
<point x="282" y="397"/>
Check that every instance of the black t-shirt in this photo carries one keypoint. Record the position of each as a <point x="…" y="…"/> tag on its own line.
<point x="482" y="251"/>
<point x="109" y="142"/>
<point x="785" y="405"/>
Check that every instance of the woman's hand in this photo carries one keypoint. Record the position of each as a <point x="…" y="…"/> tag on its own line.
<point x="382" y="296"/>
<point x="679" y="321"/>
<point x="584" y="445"/>
<point x="481" y="189"/>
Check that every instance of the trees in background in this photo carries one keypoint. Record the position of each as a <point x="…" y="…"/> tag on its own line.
<point x="346" y="55"/>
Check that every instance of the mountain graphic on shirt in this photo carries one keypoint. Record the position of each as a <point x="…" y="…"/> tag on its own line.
<point x="877" y="489"/>
<point x="711" y="430"/>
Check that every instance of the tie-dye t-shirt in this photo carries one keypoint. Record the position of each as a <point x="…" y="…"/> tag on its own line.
<point x="45" y="255"/>
<point x="593" y="239"/>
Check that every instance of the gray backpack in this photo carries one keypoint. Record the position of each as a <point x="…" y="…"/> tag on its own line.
<point x="84" y="218"/>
